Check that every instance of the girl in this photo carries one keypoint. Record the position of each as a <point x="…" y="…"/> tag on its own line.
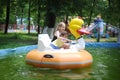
<point x="60" y="27"/>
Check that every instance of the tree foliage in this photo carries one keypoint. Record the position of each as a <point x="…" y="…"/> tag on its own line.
<point x="43" y="10"/>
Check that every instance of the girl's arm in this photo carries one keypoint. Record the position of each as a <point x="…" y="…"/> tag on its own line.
<point x="57" y="34"/>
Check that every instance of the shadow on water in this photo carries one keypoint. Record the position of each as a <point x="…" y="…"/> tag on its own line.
<point x="105" y="67"/>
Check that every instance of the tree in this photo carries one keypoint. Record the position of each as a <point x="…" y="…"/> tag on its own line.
<point x="7" y="16"/>
<point x="91" y="11"/>
<point x="2" y="12"/>
<point x="114" y="12"/>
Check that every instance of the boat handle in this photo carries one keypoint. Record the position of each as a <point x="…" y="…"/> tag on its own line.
<point x="48" y="56"/>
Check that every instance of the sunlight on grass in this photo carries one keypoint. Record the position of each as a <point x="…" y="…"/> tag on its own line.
<point x="12" y="40"/>
<point x="102" y="39"/>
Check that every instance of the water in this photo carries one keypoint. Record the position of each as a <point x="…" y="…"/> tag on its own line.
<point x="106" y="63"/>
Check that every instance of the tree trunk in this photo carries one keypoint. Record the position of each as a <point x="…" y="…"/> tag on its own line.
<point x="66" y="19"/>
<point x="118" y="40"/>
<point x="51" y="23"/>
<point x="38" y="21"/>
<point x="81" y="9"/>
<point x="91" y="11"/>
<point x="21" y="22"/>
<point x="29" y="17"/>
<point x="98" y="36"/>
<point x="106" y="27"/>
<point x="7" y="16"/>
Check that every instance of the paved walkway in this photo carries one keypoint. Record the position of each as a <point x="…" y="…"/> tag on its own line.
<point x="21" y="31"/>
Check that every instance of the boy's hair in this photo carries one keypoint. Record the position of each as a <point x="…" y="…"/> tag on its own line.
<point x="63" y="33"/>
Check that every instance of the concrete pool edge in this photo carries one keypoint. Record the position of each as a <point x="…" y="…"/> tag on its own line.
<point x="17" y="50"/>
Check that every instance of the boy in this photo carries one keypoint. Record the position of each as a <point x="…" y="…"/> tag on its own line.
<point x="61" y="42"/>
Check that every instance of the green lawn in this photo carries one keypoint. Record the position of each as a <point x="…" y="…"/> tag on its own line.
<point x="112" y="39"/>
<point x="12" y="40"/>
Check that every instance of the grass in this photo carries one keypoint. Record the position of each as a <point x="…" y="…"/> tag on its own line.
<point x="12" y="40"/>
<point x="110" y="39"/>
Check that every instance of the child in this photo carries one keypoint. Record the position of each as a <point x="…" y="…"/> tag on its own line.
<point x="60" y="28"/>
<point x="61" y="42"/>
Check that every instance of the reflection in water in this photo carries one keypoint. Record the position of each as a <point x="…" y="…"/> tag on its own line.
<point x="77" y="73"/>
<point x="70" y="74"/>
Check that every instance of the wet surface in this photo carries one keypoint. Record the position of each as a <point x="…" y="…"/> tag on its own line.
<point x="106" y="63"/>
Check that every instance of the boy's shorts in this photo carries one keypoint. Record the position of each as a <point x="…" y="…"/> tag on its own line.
<point x="54" y="47"/>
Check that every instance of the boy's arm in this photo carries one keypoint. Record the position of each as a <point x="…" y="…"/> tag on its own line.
<point x="65" y="39"/>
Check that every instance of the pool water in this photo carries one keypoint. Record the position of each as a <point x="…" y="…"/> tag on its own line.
<point x="106" y="63"/>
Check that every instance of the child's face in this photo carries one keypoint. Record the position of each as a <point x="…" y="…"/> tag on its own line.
<point x="62" y="28"/>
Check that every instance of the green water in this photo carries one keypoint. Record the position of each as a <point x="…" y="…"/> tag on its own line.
<point x="106" y="66"/>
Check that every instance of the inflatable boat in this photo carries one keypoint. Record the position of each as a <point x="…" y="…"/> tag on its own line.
<point x="59" y="59"/>
<point x="45" y="57"/>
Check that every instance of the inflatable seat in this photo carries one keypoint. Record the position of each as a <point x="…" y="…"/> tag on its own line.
<point x="43" y="42"/>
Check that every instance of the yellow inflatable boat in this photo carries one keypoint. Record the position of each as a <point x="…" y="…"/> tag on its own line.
<point x="45" y="57"/>
<point x="59" y="59"/>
